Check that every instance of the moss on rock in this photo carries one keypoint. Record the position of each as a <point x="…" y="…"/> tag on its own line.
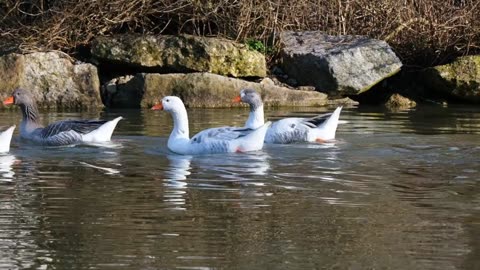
<point x="460" y="79"/>
<point x="184" y="53"/>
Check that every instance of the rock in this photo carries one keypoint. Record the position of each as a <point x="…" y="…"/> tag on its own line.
<point x="212" y="90"/>
<point x="53" y="77"/>
<point x="397" y="101"/>
<point x="267" y="81"/>
<point x="338" y="65"/>
<point x="123" y="92"/>
<point x="306" y="88"/>
<point x="208" y="90"/>
<point x="460" y="79"/>
<point x="182" y="53"/>
<point x="342" y="102"/>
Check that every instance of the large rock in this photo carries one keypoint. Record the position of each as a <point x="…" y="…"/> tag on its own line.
<point x="460" y="79"/>
<point x="183" y="53"/>
<point x="338" y="65"/>
<point x="201" y="90"/>
<point x="53" y="77"/>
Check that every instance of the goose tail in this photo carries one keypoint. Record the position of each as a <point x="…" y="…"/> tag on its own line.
<point x="254" y="141"/>
<point x="102" y="133"/>
<point x="5" y="138"/>
<point x="327" y="130"/>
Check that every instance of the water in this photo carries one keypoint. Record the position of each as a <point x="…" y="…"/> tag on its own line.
<point x="397" y="190"/>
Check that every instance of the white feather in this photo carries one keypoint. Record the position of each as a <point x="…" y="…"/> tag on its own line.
<point x="103" y="133"/>
<point x="5" y="138"/>
<point x="214" y="140"/>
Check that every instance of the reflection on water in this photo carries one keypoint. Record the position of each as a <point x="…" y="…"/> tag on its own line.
<point x="6" y="163"/>
<point x="178" y="168"/>
<point x="396" y="190"/>
<point x="103" y="169"/>
<point x="174" y="182"/>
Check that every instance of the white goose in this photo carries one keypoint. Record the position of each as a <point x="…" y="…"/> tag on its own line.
<point x="5" y="138"/>
<point x="213" y="140"/>
<point x="320" y="128"/>
<point x="58" y="133"/>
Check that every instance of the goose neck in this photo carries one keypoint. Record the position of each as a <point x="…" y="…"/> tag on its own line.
<point x="255" y="117"/>
<point x="30" y="113"/>
<point x="180" y="124"/>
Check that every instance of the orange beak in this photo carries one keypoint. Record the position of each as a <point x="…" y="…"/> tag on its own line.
<point x="9" y="101"/>
<point x="157" y="106"/>
<point x="237" y="99"/>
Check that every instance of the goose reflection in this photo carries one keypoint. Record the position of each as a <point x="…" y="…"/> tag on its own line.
<point x="179" y="169"/>
<point x="237" y="167"/>
<point x="6" y="163"/>
<point x="174" y="182"/>
<point x="256" y="163"/>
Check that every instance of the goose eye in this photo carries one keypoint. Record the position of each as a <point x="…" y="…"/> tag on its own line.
<point x="167" y="100"/>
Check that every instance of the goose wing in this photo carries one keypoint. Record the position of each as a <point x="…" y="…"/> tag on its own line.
<point x="68" y="131"/>
<point x="289" y="130"/>
<point x="220" y="134"/>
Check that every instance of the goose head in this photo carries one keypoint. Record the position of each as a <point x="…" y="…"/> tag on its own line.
<point x="20" y="97"/>
<point x="251" y="97"/>
<point x="170" y="104"/>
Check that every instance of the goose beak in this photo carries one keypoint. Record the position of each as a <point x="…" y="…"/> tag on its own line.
<point x="157" y="107"/>
<point x="237" y="99"/>
<point x="9" y="101"/>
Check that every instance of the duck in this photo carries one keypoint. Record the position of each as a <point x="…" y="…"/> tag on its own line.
<point x="210" y="141"/>
<point x="66" y="132"/>
<point x="5" y="138"/>
<point x="320" y="129"/>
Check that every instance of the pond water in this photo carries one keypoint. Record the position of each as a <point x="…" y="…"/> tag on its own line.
<point x="397" y="190"/>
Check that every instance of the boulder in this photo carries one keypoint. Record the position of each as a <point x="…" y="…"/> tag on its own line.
<point x="205" y="90"/>
<point x="399" y="102"/>
<point x="459" y="79"/>
<point x="338" y="65"/>
<point x="53" y="77"/>
<point x="184" y="53"/>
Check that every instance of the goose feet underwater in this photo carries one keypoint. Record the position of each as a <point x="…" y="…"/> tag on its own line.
<point x="58" y="133"/>
<point x="320" y="128"/>
<point x="212" y="140"/>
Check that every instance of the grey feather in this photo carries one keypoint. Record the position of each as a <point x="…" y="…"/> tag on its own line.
<point x="79" y="126"/>
<point x="222" y="134"/>
<point x="318" y="120"/>
<point x="66" y="132"/>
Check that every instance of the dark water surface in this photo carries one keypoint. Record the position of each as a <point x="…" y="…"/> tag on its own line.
<point x="397" y="190"/>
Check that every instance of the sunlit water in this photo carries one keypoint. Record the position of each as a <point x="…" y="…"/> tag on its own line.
<point x="397" y="190"/>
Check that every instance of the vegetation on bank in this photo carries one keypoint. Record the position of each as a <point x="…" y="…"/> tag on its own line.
<point x="422" y="32"/>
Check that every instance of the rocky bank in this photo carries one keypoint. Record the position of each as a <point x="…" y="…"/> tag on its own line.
<point x="312" y="69"/>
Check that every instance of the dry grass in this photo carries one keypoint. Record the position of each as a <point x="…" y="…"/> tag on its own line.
<point x="422" y="32"/>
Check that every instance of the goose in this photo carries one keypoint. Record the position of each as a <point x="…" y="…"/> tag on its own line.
<point x="5" y="138"/>
<point x="65" y="132"/>
<point x="209" y="141"/>
<point x="320" y="128"/>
